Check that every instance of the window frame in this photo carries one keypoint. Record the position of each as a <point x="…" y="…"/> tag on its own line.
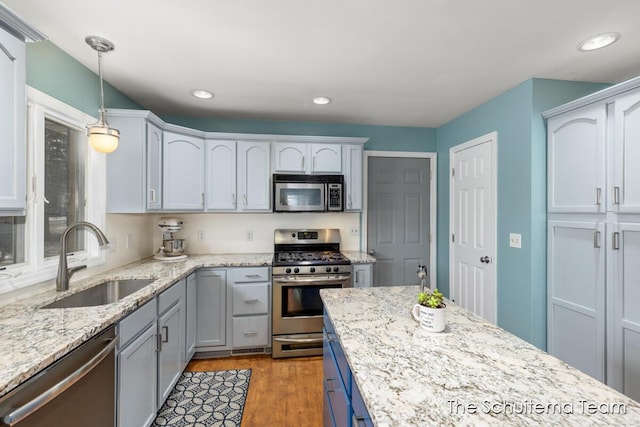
<point x="35" y="268"/>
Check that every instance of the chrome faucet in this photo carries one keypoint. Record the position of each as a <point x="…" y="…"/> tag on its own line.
<point x="64" y="273"/>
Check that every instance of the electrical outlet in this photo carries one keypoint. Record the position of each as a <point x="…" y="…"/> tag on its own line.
<point x="201" y="235"/>
<point x="354" y="231"/>
<point x="515" y="240"/>
<point x="249" y="235"/>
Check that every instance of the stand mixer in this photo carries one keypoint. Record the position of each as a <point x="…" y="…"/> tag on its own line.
<point x="172" y="249"/>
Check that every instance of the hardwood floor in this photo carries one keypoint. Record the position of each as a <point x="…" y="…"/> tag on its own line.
<point x="282" y="392"/>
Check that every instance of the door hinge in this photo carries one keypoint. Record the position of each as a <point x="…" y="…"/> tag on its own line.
<point x="453" y="172"/>
<point x="453" y="237"/>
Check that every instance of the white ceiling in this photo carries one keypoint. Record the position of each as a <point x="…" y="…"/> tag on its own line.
<point x="385" y="62"/>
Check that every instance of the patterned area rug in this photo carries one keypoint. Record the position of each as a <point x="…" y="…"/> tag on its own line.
<point x="204" y="399"/>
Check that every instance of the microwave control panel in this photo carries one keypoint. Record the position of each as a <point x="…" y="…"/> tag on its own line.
<point x="334" y="197"/>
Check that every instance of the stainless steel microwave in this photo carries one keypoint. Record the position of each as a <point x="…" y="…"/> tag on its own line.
<point x="308" y="193"/>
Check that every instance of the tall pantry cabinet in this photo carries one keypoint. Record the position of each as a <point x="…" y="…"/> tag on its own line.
<point x="593" y="226"/>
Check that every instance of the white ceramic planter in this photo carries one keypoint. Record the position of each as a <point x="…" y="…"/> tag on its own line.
<point x="430" y="319"/>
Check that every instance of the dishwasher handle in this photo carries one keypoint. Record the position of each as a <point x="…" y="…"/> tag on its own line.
<point x="14" y="417"/>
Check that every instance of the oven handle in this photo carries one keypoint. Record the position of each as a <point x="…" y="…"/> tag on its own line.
<point x="298" y="340"/>
<point x="320" y="279"/>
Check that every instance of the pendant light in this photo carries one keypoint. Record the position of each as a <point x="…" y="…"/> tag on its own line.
<point x="102" y="138"/>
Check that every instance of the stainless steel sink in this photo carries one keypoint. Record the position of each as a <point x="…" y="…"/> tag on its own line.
<point x="103" y="293"/>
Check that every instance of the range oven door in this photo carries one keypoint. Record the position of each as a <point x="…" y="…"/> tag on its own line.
<point x="298" y="311"/>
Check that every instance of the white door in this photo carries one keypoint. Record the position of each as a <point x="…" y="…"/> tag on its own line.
<point x="472" y="221"/>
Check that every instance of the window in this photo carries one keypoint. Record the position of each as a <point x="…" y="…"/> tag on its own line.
<point x="67" y="185"/>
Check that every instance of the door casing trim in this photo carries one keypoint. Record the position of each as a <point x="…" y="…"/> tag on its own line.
<point x="433" y="197"/>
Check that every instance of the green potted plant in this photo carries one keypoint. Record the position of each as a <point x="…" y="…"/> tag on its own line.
<point x="430" y="310"/>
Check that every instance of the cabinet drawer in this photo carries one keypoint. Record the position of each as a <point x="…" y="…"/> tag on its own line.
<point x="170" y="296"/>
<point x="131" y="326"/>
<point x="251" y="298"/>
<point x="250" y="274"/>
<point x="251" y="331"/>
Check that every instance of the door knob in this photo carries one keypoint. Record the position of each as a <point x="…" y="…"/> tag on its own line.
<point x="485" y="259"/>
<point x="372" y="252"/>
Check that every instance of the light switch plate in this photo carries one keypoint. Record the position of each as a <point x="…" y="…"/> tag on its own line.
<point x="515" y="240"/>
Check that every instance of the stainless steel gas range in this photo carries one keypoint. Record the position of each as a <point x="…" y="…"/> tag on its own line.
<point x="304" y="262"/>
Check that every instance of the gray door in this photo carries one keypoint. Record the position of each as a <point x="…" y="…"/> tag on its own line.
<point x="398" y="218"/>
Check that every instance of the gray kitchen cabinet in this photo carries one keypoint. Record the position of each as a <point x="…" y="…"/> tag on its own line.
<point x="594" y="235"/>
<point x="211" y="309"/>
<point x="352" y="170"/>
<point x="362" y="274"/>
<point x="183" y="168"/>
<point x="191" y="315"/>
<point x="254" y="176"/>
<point x="137" y="372"/>
<point x="250" y="290"/>
<point x="13" y="142"/>
<point x="221" y="175"/>
<point x="171" y="354"/>
<point x="134" y="170"/>
<point x="302" y="157"/>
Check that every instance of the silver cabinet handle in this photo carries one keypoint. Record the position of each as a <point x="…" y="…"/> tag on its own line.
<point x="244" y="198"/>
<point x="38" y="402"/>
<point x="233" y="198"/>
<point x="158" y="342"/>
<point x="302" y="163"/>
<point x="250" y="333"/>
<point x="349" y="200"/>
<point x="152" y="195"/>
<point x="165" y="331"/>
<point x="596" y="239"/>
<point x="598" y="194"/>
<point x="616" y="195"/>
<point x="358" y="277"/>
<point x="314" y="163"/>
<point x="357" y="420"/>
<point x="251" y="301"/>
<point x="616" y="241"/>
<point x="252" y="276"/>
<point x="202" y="196"/>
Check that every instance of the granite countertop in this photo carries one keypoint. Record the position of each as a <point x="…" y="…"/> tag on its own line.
<point x="358" y="257"/>
<point x="33" y="338"/>
<point x="473" y="373"/>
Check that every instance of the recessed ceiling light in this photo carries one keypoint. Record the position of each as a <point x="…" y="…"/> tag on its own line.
<point x="321" y="100"/>
<point x="598" y="42"/>
<point x="202" y="94"/>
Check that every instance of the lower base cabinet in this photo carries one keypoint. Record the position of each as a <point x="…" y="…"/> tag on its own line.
<point x="151" y="356"/>
<point x="343" y="405"/>
<point x="362" y="275"/>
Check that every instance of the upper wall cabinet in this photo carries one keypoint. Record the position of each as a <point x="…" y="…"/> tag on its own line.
<point x="13" y="144"/>
<point x="625" y="191"/>
<point x="221" y="175"/>
<point x="134" y="170"/>
<point x="352" y="169"/>
<point x="300" y="157"/>
<point x="254" y="177"/>
<point x="183" y="172"/>
<point x="576" y="151"/>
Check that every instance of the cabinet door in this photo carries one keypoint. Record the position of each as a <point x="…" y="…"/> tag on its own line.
<point x="191" y="299"/>
<point x="221" y="175"/>
<point x="171" y="354"/>
<point x="576" y="161"/>
<point x="624" y="357"/>
<point x="576" y="294"/>
<point x="251" y="331"/>
<point x="254" y="176"/>
<point x="626" y="185"/>
<point x="154" y="167"/>
<point x="211" y="307"/>
<point x="352" y="169"/>
<point x="13" y="143"/>
<point x="326" y="158"/>
<point x="137" y="381"/>
<point x="290" y="157"/>
<point x="183" y="172"/>
<point x="362" y="275"/>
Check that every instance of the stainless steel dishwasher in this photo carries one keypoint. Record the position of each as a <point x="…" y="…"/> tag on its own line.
<point x="77" y="390"/>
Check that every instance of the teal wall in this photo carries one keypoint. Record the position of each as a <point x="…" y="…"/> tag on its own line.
<point x="387" y="138"/>
<point x="53" y="71"/>
<point x="521" y="169"/>
<point x="521" y="174"/>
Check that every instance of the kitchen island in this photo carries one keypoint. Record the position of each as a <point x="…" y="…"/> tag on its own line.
<point x="473" y="373"/>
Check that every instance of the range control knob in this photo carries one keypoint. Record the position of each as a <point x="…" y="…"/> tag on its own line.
<point x="336" y="269"/>
<point x="288" y="270"/>
<point x="328" y="269"/>
<point x="296" y="270"/>
<point x="312" y="269"/>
